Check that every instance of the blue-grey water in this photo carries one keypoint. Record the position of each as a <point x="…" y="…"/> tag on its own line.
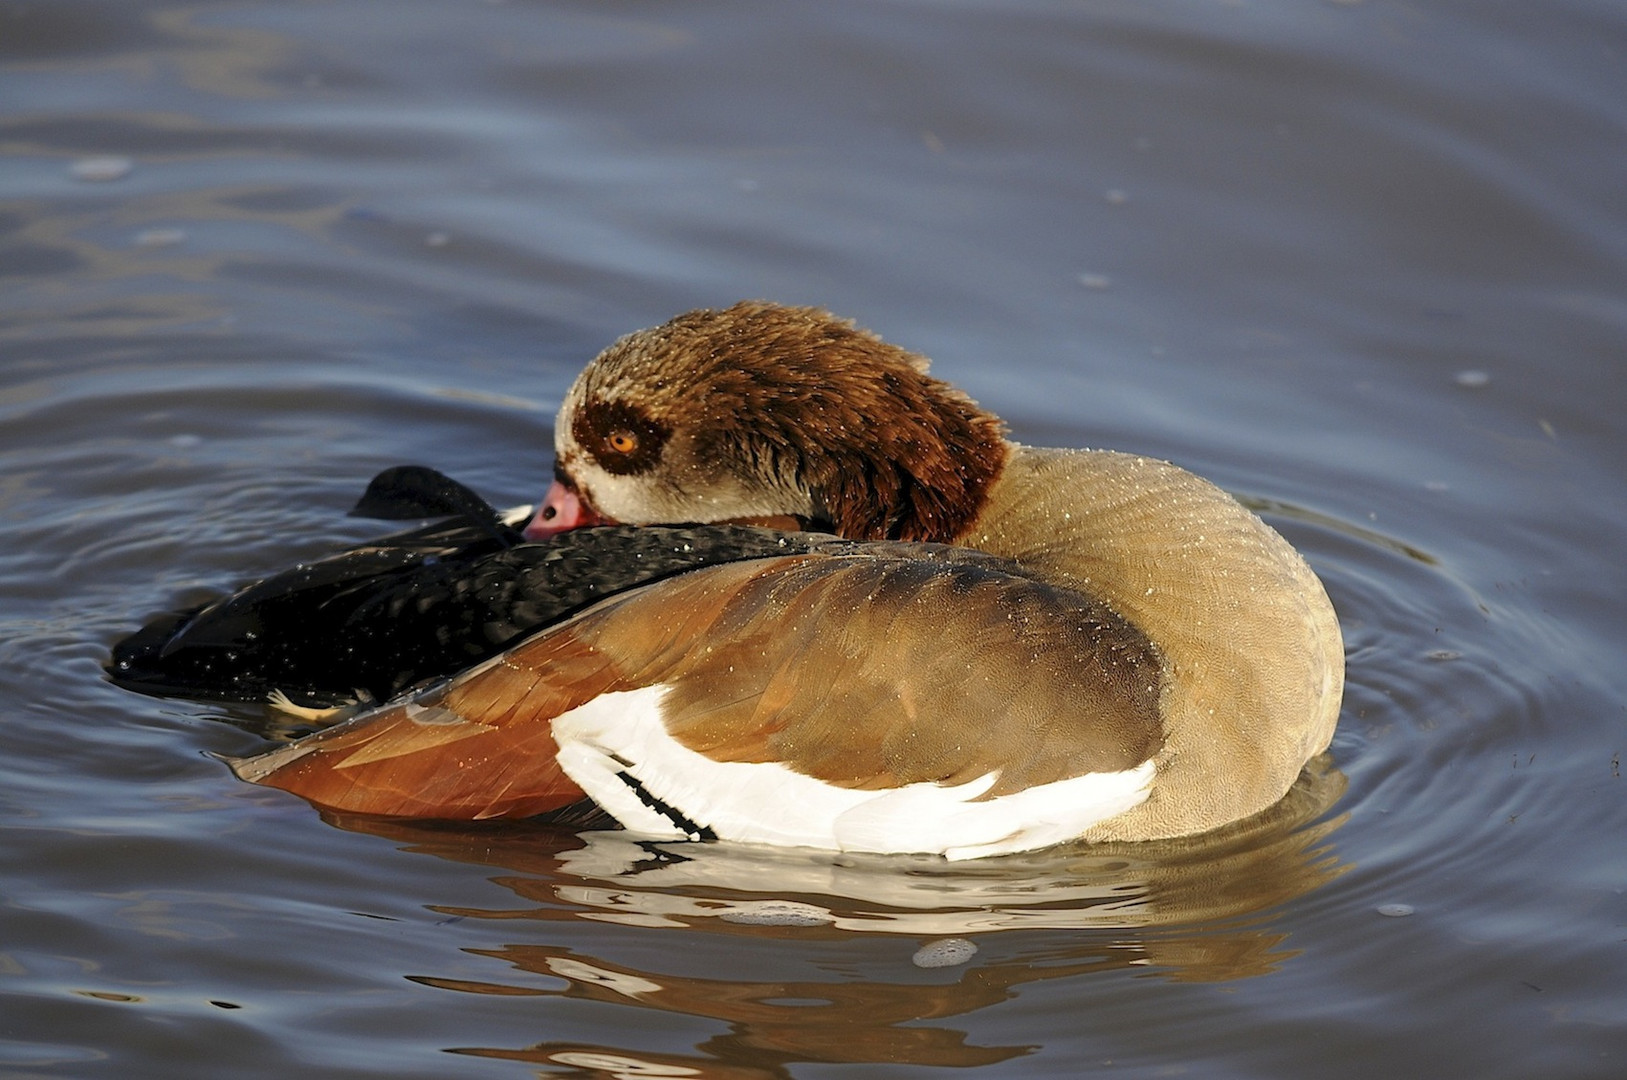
<point x="1363" y="263"/>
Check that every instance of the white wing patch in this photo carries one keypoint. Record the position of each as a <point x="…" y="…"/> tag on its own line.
<point x="617" y="748"/>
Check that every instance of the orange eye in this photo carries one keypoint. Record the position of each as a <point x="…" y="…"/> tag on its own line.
<point x="623" y="441"/>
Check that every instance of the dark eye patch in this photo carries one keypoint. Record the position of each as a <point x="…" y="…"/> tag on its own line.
<point x="606" y="428"/>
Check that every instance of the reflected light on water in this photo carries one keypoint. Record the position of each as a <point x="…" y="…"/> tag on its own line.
<point x="1188" y="911"/>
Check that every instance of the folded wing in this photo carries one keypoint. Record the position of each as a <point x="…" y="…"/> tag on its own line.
<point x="839" y="696"/>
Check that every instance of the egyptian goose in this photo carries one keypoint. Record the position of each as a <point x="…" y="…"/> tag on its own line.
<point x="1030" y="646"/>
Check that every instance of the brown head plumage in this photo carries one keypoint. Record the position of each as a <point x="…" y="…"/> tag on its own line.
<point x="760" y="409"/>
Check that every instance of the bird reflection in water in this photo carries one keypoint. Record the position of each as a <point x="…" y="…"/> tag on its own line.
<point x="1189" y="910"/>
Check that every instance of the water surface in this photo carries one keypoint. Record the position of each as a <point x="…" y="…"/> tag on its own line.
<point x="1360" y="262"/>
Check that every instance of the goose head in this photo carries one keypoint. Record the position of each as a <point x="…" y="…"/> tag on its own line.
<point x="761" y="412"/>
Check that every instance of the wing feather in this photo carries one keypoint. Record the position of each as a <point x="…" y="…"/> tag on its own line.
<point x="870" y="672"/>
